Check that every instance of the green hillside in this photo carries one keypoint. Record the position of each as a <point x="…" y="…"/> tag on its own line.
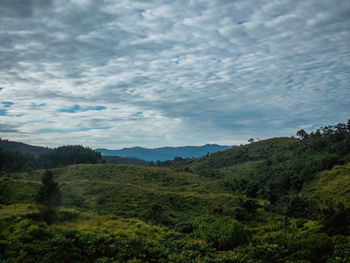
<point x="277" y="169"/>
<point x="277" y="200"/>
<point x="331" y="187"/>
<point x="245" y="153"/>
<point x="127" y="191"/>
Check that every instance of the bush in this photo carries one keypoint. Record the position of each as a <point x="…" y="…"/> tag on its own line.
<point x="341" y="250"/>
<point x="272" y="253"/>
<point x="315" y="247"/>
<point x="224" y="232"/>
<point x="300" y="206"/>
<point x="67" y="215"/>
<point x="336" y="220"/>
<point x="184" y="227"/>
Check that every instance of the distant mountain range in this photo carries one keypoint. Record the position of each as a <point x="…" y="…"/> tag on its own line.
<point x="127" y="155"/>
<point x="164" y="153"/>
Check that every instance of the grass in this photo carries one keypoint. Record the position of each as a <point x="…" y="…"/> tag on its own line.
<point x="238" y="155"/>
<point x="17" y="190"/>
<point x="126" y="191"/>
<point x="331" y="187"/>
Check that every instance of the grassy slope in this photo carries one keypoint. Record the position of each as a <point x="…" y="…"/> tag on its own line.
<point x="132" y="191"/>
<point x="89" y="222"/>
<point x="331" y="187"/>
<point x="107" y="195"/>
<point x="249" y="161"/>
<point x="245" y="153"/>
<point x="127" y="191"/>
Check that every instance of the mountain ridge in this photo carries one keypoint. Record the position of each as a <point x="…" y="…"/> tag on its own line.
<point x="22" y="147"/>
<point x="164" y="153"/>
<point x="126" y="155"/>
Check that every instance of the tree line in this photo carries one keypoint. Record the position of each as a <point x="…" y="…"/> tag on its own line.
<point x="62" y="156"/>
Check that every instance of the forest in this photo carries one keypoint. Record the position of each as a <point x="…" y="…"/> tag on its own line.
<point x="277" y="200"/>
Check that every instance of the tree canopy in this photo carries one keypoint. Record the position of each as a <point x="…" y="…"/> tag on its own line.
<point x="48" y="197"/>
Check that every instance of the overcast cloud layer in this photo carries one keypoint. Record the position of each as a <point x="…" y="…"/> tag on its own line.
<point x="154" y="73"/>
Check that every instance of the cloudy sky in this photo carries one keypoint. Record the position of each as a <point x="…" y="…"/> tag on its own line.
<point x="180" y="72"/>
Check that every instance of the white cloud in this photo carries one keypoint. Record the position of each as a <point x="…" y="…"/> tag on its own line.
<point x="199" y="71"/>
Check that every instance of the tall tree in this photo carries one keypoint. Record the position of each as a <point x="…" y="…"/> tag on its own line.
<point x="48" y="198"/>
<point x="302" y="134"/>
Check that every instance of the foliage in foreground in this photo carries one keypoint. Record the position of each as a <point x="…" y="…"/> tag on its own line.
<point x="88" y="237"/>
<point x="31" y="241"/>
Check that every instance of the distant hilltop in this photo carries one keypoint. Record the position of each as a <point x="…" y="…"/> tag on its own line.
<point x="164" y="153"/>
<point x="124" y="155"/>
<point x="23" y="147"/>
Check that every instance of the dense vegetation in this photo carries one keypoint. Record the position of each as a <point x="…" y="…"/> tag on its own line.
<point x="23" y="148"/>
<point x="277" y="200"/>
<point x="66" y="155"/>
<point x="277" y="169"/>
<point x="125" y="160"/>
<point x="15" y="160"/>
<point x="11" y="161"/>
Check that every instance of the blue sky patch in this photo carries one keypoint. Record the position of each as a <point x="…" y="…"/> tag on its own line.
<point x="38" y="105"/>
<point x="49" y="130"/>
<point x="7" y="104"/>
<point x="78" y="108"/>
<point x="73" y="109"/>
<point x="98" y="108"/>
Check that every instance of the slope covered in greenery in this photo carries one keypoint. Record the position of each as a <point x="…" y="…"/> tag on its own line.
<point x="277" y="169"/>
<point x="331" y="187"/>
<point x="277" y="200"/>
<point x="125" y="160"/>
<point x="126" y="191"/>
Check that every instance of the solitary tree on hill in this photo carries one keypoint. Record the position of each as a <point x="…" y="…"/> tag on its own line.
<point x="48" y="198"/>
<point x="302" y="134"/>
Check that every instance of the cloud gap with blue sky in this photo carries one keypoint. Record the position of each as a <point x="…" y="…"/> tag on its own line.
<point x="123" y="73"/>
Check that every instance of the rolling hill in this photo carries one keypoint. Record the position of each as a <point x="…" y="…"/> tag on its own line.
<point x="277" y="200"/>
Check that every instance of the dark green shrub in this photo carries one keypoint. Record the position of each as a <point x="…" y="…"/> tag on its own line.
<point x="239" y="213"/>
<point x="341" y="251"/>
<point x="184" y="227"/>
<point x="315" y="247"/>
<point x="67" y="215"/>
<point x="300" y="206"/>
<point x="223" y="232"/>
<point x="271" y="253"/>
<point x="336" y="220"/>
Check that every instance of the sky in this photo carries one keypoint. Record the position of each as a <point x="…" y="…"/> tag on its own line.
<point x="114" y="74"/>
